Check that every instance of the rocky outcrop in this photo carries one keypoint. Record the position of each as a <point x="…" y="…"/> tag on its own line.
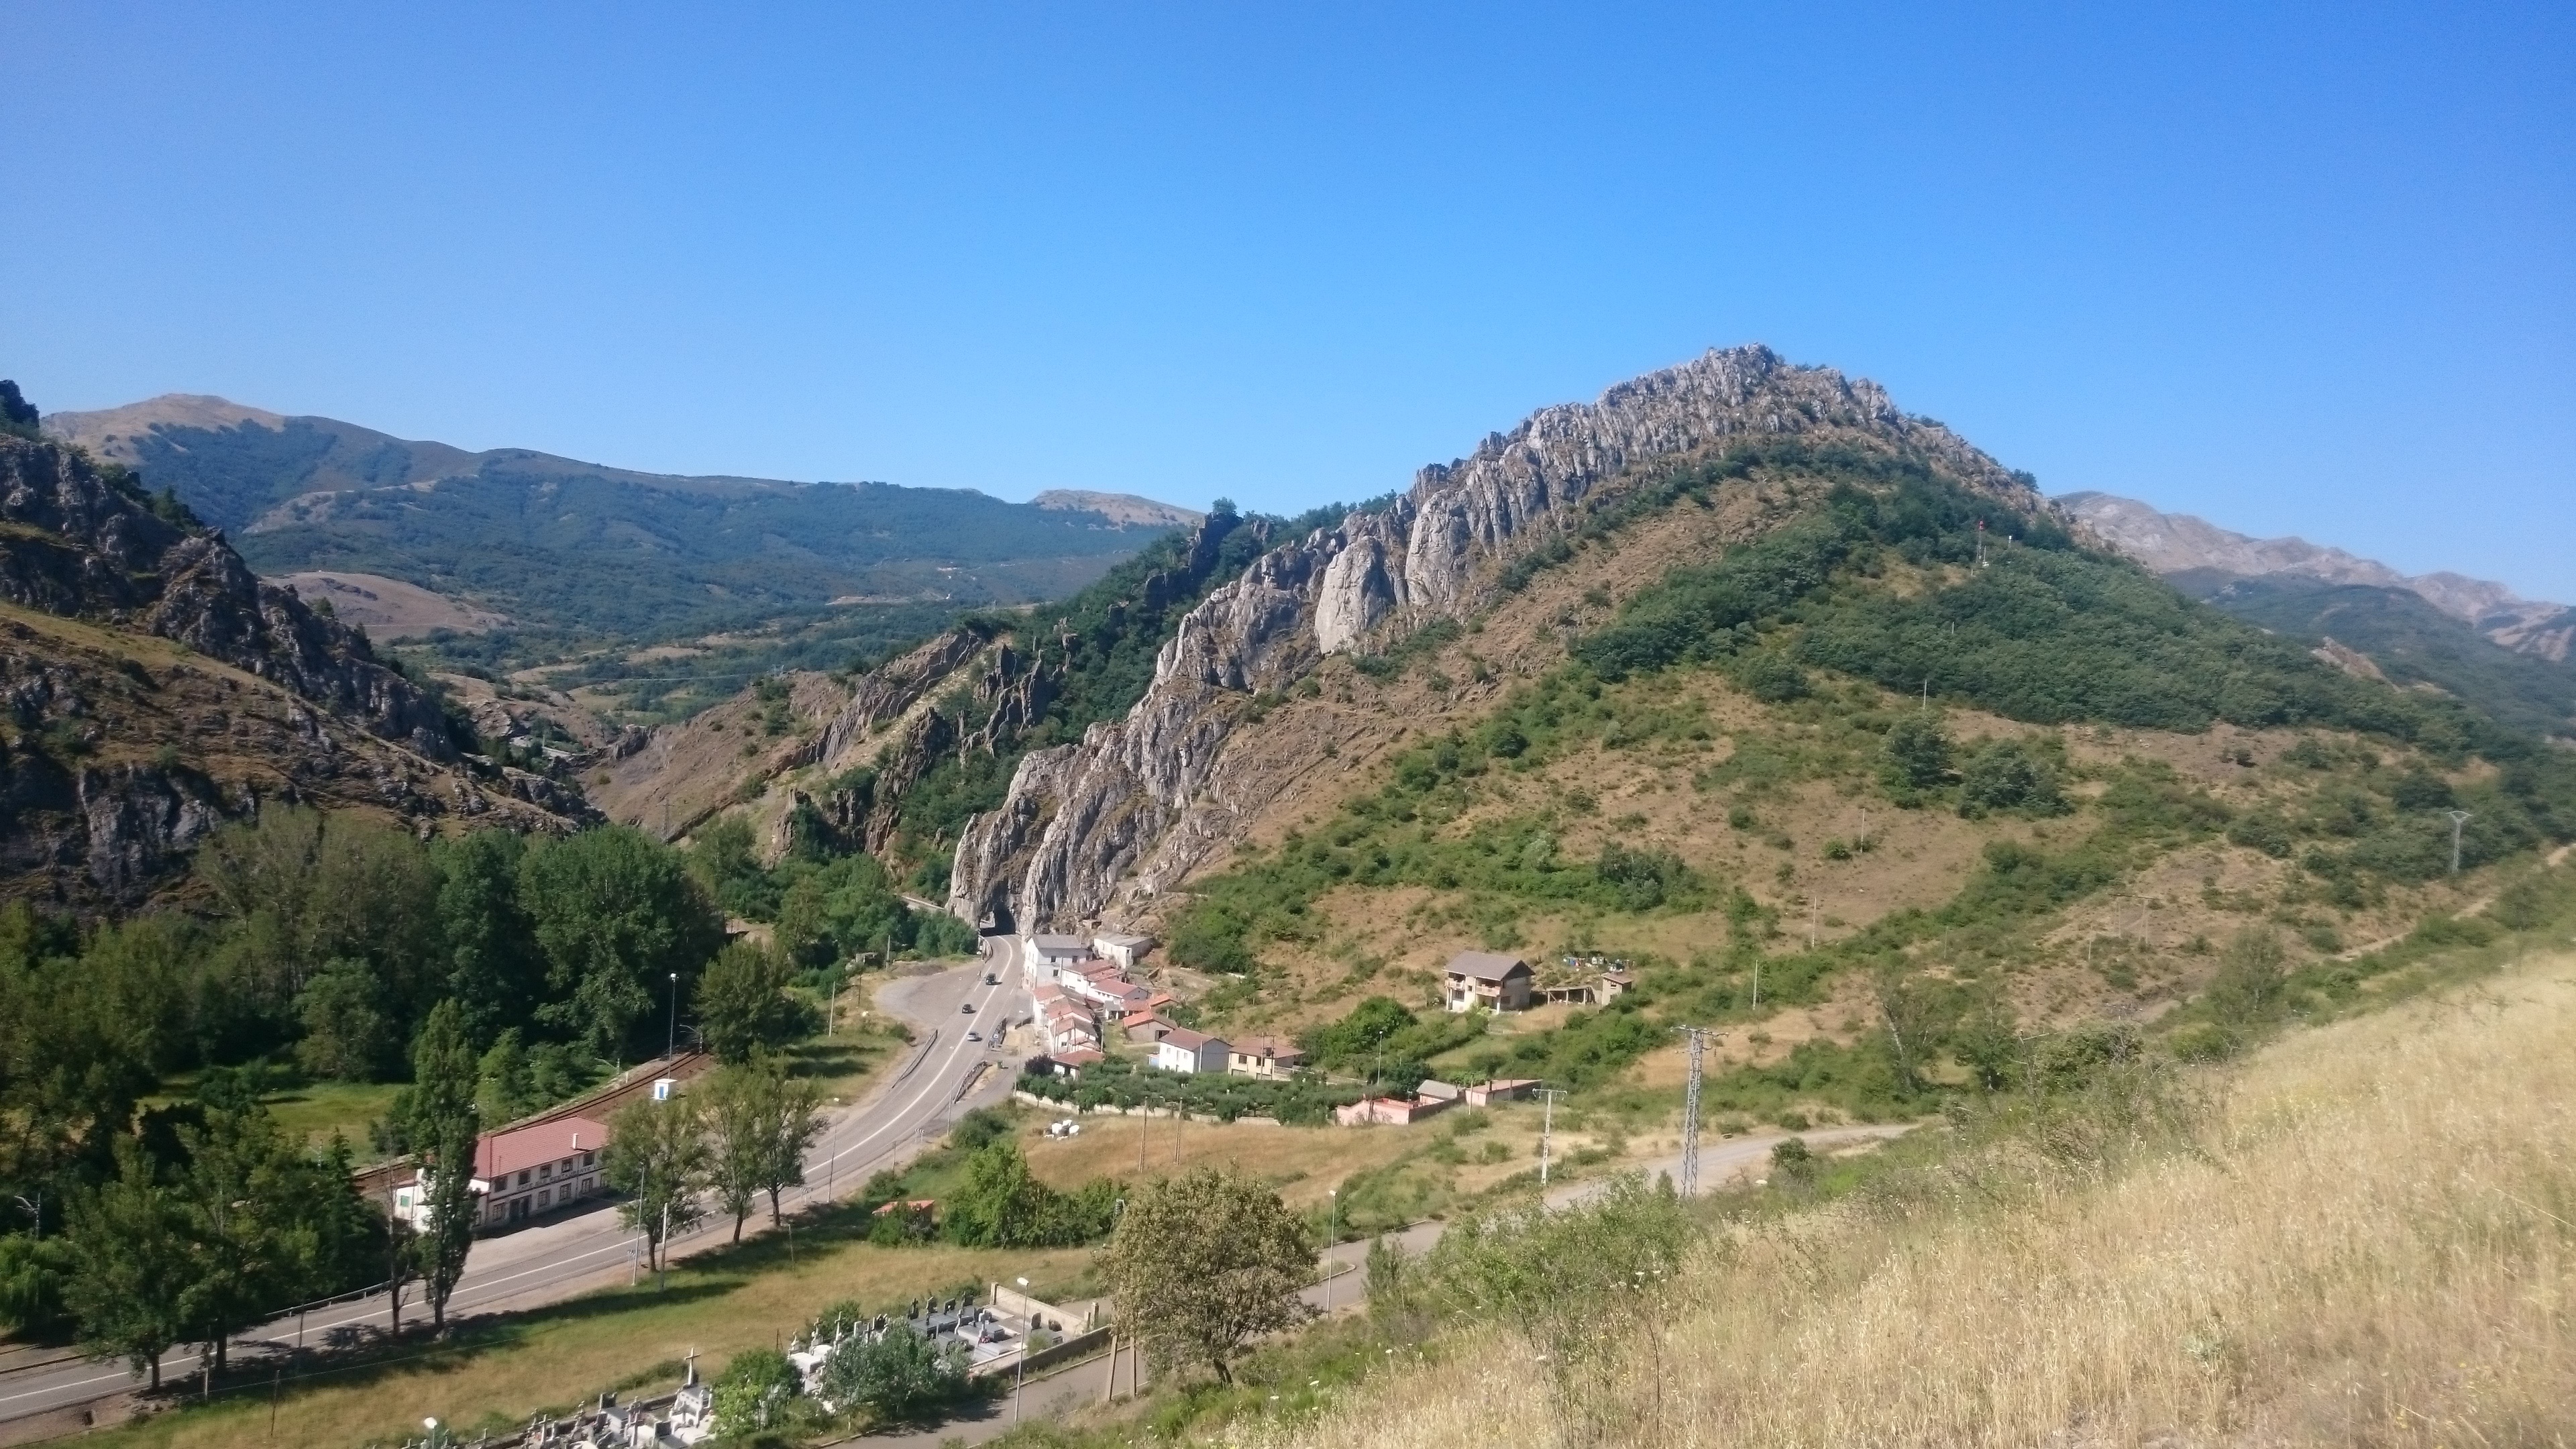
<point x="1142" y="801"/>
<point x="151" y="690"/>
<point x="79" y="546"/>
<point x="883" y="694"/>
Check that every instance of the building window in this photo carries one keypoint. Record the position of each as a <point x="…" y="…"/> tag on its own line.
<point x="546" y="1173"/>
<point x="544" y="1196"/>
<point x="523" y="1179"/>
<point x="586" y="1158"/>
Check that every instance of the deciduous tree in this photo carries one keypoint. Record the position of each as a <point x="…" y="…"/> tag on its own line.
<point x="1204" y="1263"/>
<point x="130" y="1264"/>
<point x="657" y="1156"/>
<point x="742" y="1003"/>
<point x="617" y="916"/>
<point x="759" y="1123"/>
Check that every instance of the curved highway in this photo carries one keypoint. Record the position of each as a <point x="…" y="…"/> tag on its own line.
<point x="939" y="1077"/>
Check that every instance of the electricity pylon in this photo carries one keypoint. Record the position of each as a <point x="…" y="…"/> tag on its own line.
<point x="1698" y="1037"/>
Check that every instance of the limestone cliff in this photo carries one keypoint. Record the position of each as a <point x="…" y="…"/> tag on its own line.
<point x="1142" y="801"/>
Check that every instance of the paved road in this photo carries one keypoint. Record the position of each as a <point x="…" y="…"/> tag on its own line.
<point x="557" y="1258"/>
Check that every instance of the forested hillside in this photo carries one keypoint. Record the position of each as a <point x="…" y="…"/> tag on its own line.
<point x="2409" y="642"/>
<point x="578" y="556"/>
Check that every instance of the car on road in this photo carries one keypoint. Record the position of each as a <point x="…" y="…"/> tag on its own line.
<point x="991" y="979"/>
<point x="967" y="1007"/>
<point x="974" y="1036"/>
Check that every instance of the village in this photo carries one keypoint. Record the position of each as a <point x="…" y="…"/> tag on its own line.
<point x="1086" y="1002"/>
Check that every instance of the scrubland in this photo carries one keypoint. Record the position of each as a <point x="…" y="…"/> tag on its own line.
<point x="2362" y="1234"/>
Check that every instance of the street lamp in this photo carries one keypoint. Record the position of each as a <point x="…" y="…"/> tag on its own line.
<point x="671" y="1045"/>
<point x="1020" y="1371"/>
<point x="2458" y="819"/>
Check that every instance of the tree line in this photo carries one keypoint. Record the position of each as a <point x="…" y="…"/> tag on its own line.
<point x="498" y="973"/>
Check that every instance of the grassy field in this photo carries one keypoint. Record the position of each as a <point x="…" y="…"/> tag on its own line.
<point x="498" y="1372"/>
<point x="2365" y="1234"/>
<point x="318" y="1109"/>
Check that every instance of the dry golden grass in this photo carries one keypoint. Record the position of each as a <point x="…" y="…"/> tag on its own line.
<point x="567" y="1354"/>
<point x="2372" y="1240"/>
<point x="1300" y="1162"/>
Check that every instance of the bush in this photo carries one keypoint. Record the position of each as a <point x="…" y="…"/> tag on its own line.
<point x="2249" y="982"/>
<point x="901" y="1375"/>
<point x="1916" y="756"/>
<point x="753" y="1392"/>
<point x="2009" y="775"/>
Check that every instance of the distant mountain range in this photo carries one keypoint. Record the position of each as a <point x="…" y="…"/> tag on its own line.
<point x="582" y="550"/>
<point x="2470" y="637"/>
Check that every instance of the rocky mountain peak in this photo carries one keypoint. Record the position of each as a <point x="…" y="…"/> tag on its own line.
<point x="1141" y="801"/>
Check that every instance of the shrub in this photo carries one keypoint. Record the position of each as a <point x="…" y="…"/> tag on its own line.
<point x="1916" y="756"/>
<point x="753" y="1391"/>
<point x="900" y="1375"/>
<point x="2249" y="982"/>
<point x="2009" y="775"/>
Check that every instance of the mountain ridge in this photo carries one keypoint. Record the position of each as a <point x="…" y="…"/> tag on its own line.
<point x="1142" y="802"/>
<point x="155" y="688"/>
<point x="578" y="556"/>
<point x="2180" y="543"/>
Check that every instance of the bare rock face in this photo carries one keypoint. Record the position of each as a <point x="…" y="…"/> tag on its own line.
<point x="1144" y="800"/>
<point x="152" y="689"/>
<point x="883" y="694"/>
<point x="81" y="548"/>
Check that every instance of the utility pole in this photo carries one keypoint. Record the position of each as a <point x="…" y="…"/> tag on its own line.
<point x="1332" y="1237"/>
<point x="1546" y="1128"/>
<point x="1698" y="1037"/>
<point x="2458" y="819"/>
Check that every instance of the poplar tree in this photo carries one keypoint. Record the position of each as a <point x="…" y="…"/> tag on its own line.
<point x="445" y="1074"/>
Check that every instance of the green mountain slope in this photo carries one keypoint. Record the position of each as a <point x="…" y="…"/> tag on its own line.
<point x="2411" y="641"/>
<point x="1883" y="811"/>
<point x="575" y="551"/>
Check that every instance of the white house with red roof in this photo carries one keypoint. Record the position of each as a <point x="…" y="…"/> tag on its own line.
<point x="522" y="1173"/>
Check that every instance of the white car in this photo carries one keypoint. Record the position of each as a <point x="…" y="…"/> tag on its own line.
<point x="974" y="1036"/>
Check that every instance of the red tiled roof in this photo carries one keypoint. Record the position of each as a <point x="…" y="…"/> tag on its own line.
<point x="502" y="1153"/>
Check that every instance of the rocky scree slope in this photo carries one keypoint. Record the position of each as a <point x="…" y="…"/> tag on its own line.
<point x="155" y="688"/>
<point x="1101" y="826"/>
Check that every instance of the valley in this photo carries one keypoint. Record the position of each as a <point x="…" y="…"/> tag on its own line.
<point x="1978" y="851"/>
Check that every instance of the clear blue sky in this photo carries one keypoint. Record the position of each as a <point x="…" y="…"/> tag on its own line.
<point x="2298" y="269"/>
